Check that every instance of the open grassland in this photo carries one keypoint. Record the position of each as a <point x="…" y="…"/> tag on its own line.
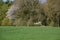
<point x="29" y="33"/>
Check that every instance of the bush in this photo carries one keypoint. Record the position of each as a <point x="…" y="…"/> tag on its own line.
<point x="5" y="22"/>
<point x="20" y="22"/>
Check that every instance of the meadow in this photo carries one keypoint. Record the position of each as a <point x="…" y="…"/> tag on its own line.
<point x="29" y="33"/>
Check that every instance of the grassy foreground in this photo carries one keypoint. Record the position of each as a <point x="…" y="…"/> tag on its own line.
<point x="29" y="33"/>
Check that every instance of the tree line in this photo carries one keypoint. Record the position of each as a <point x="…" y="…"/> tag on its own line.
<point x="31" y="13"/>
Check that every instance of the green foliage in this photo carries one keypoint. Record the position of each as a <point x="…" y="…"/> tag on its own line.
<point x="29" y="9"/>
<point x="3" y="10"/>
<point x="52" y="11"/>
<point x="20" y="22"/>
<point x="5" y="22"/>
<point x="30" y="12"/>
<point x="1" y="3"/>
<point x="30" y="22"/>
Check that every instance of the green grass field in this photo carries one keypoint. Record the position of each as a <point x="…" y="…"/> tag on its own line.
<point x="29" y="33"/>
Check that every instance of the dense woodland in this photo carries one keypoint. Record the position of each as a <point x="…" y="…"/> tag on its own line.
<point x="30" y="13"/>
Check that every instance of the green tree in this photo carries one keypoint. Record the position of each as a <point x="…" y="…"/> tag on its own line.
<point x="54" y="11"/>
<point x="28" y="9"/>
<point x="5" y="22"/>
<point x="1" y="2"/>
<point x="3" y="10"/>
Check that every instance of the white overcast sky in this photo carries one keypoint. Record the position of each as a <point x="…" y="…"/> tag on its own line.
<point x="42" y="1"/>
<point x="6" y="0"/>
